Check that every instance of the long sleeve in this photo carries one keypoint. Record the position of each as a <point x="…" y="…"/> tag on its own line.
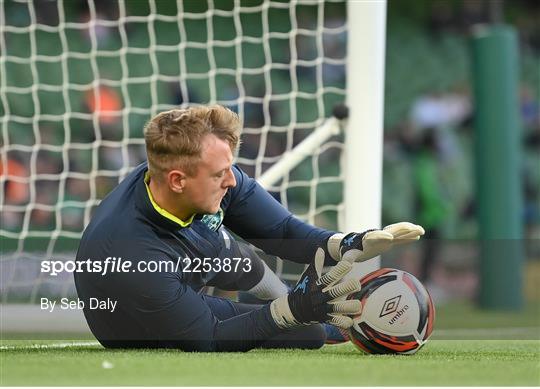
<point x="257" y="217"/>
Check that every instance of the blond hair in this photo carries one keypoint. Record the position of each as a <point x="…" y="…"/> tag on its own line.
<point x="174" y="138"/>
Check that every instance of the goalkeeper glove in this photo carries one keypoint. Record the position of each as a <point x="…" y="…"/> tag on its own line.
<point x="358" y="247"/>
<point x="313" y="299"/>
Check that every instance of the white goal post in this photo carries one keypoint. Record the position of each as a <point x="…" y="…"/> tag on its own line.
<point x="364" y="141"/>
<point x="364" y="129"/>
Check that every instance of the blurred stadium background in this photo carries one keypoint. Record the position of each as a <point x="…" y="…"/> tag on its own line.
<point x="78" y="80"/>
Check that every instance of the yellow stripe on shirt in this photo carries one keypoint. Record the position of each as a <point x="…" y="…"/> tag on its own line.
<point x="162" y="211"/>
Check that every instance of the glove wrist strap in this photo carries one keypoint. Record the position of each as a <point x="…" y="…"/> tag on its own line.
<point x="333" y="246"/>
<point x="281" y="313"/>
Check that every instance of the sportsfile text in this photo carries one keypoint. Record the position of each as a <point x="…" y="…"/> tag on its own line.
<point x="119" y="265"/>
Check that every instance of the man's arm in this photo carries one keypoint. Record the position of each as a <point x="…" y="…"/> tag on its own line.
<point x="258" y="218"/>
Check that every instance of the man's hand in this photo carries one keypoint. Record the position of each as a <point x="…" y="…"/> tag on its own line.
<point x="313" y="299"/>
<point x="358" y="247"/>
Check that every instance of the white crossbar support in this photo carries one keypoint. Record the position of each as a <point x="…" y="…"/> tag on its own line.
<point x="364" y="134"/>
<point x="303" y="150"/>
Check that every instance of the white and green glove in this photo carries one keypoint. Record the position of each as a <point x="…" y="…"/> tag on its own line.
<point x="358" y="247"/>
<point x="314" y="298"/>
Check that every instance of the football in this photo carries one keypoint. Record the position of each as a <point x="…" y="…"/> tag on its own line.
<point x="397" y="313"/>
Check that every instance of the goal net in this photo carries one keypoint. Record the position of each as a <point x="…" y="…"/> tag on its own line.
<point x="79" y="79"/>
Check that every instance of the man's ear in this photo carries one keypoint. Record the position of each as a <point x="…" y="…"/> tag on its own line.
<point x="176" y="180"/>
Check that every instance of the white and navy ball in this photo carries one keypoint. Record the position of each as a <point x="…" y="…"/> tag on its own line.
<point x="397" y="313"/>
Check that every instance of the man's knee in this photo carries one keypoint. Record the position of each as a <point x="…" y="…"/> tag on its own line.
<point x="314" y="336"/>
<point x="309" y="337"/>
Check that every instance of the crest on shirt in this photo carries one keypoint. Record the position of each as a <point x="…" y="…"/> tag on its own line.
<point x="213" y="221"/>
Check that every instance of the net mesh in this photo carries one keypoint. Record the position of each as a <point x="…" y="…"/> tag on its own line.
<point x="79" y="79"/>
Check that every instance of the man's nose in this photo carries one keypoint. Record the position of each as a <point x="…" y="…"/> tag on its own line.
<point x="230" y="180"/>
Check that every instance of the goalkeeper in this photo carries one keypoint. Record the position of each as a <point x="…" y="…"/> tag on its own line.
<point x="182" y="205"/>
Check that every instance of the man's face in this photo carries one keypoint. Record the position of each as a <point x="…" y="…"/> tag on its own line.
<point x="213" y="176"/>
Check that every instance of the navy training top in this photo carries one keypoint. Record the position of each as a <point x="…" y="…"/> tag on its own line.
<point x="164" y="309"/>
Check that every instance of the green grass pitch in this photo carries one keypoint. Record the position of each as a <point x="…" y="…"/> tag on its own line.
<point x="474" y="360"/>
<point x="440" y="362"/>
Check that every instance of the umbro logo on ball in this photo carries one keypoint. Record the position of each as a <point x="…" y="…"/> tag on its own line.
<point x="390" y="306"/>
